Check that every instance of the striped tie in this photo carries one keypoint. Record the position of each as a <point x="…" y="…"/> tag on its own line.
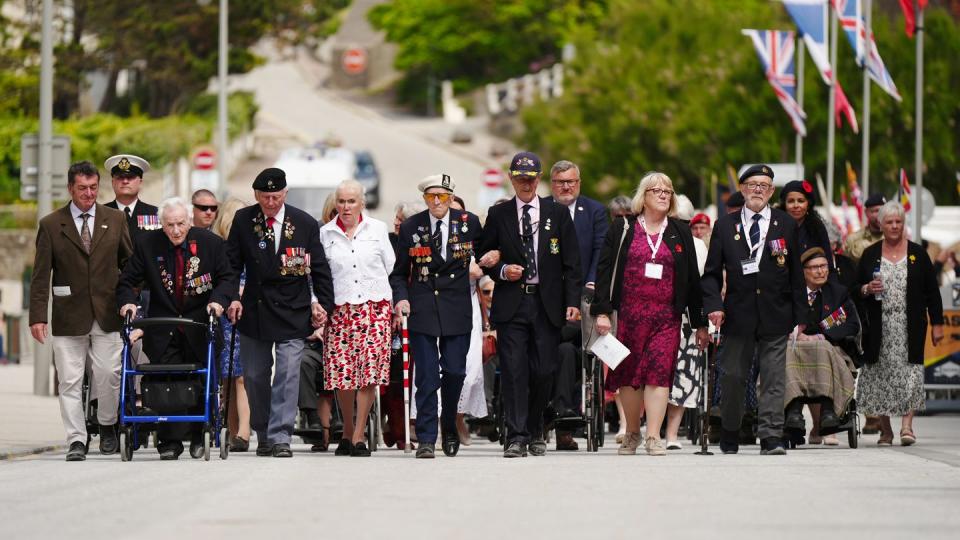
<point x="530" y="254"/>
<point x="755" y="235"/>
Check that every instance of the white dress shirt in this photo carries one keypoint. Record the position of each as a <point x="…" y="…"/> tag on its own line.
<point x="747" y="222"/>
<point x="572" y="207"/>
<point x="360" y="267"/>
<point x="78" y="221"/>
<point x="444" y="231"/>
<point x="277" y="227"/>
<point x="132" y="206"/>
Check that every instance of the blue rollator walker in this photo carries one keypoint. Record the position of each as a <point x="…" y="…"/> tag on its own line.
<point x="131" y="423"/>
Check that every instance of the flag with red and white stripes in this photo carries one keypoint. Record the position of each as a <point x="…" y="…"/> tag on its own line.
<point x="776" y="51"/>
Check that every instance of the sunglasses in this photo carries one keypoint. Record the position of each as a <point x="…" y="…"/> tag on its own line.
<point x="206" y="207"/>
<point x="442" y="197"/>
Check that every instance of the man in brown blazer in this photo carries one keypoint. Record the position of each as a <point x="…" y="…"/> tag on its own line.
<point x="84" y="245"/>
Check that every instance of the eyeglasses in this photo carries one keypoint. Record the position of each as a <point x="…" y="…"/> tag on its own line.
<point x="566" y="183"/>
<point x="657" y="192"/>
<point x="759" y="187"/>
<point x="206" y="207"/>
<point x="487" y="292"/>
<point x="816" y="267"/>
<point x="442" y="197"/>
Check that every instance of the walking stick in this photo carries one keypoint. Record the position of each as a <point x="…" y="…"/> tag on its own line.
<point x="704" y="396"/>
<point x="407" y="447"/>
<point x="225" y="420"/>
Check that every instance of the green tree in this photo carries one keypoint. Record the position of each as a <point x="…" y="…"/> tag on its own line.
<point x="472" y="42"/>
<point x="674" y="86"/>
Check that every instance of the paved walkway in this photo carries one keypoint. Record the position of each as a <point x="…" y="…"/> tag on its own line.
<point x="28" y="423"/>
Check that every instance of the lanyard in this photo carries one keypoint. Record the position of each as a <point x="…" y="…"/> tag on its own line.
<point x="653" y="248"/>
<point x="746" y="234"/>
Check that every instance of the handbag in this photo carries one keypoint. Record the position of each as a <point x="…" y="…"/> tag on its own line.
<point x="488" y="347"/>
<point x="613" y="279"/>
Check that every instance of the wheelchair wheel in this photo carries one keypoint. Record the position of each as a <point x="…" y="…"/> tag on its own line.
<point x="599" y="408"/>
<point x="224" y="443"/>
<point x="206" y="445"/>
<point x="852" y="438"/>
<point x="126" y="446"/>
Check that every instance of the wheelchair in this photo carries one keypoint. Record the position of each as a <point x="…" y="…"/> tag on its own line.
<point x="132" y="423"/>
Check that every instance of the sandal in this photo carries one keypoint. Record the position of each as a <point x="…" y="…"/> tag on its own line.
<point x="907" y="437"/>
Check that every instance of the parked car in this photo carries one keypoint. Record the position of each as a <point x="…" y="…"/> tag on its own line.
<point x="368" y="175"/>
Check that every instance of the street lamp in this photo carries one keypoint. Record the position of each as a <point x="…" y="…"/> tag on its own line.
<point x="222" y="54"/>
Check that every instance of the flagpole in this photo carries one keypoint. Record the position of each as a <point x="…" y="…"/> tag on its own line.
<point x="918" y="200"/>
<point x="799" y="151"/>
<point x="831" y="123"/>
<point x="865" y="159"/>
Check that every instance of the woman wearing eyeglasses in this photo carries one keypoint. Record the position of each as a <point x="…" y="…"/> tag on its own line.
<point x="648" y="273"/>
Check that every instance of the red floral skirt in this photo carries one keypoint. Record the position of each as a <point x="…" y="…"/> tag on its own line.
<point x="356" y="350"/>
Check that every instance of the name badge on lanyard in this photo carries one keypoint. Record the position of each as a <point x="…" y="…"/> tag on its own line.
<point x="750" y="266"/>
<point x="653" y="270"/>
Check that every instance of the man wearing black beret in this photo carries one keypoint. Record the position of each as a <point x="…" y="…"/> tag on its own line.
<point x="765" y="300"/>
<point x="288" y="292"/>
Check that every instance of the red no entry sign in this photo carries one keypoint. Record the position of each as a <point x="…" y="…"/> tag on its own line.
<point x="204" y="160"/>
<point x="355" y="61"/>
<point x="492" y="178"/>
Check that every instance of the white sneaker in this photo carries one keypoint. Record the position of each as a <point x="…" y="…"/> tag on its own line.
<point x="674" y="445"/>
<point x="655" y="447"/>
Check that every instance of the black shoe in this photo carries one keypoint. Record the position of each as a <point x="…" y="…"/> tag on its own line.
<point x="77" y="451"/>
<point x="729" y="442"/>
<point x="264" y="449"/>
<point x="772" y="446"/>
<point x="170" y="451"/>
<point x="311" y="420"/>
<point x="515" y="450"/>
<point x="108" y="440"/>
<point x="360" y="450"/>
<point x="794" y="420"/>
<point x="196" y="448"/>
<point x="538" y="448"/>
<point x="828" y="419"/>
<point x="568" y="413"/>
<point x="451" y="444"/>
<point x="565" y="442"/>
<point x="425" y="451"/>
<point x="282" y="450"/>
<point x="345" y="448"/>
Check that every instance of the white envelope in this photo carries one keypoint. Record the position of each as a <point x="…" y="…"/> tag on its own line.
<point x="609" y="350"/>
<point x="61" y="290"/>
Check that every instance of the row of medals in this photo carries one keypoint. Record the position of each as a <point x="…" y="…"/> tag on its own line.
<point x="293" y="262"/>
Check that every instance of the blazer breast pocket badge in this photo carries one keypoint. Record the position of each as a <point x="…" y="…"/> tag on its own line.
<point x="554" y="246"/>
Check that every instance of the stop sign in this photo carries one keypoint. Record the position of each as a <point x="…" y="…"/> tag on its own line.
<point x="355" y="61"/>
<point x="204" y="160"/>
<point x="492" y="178"/>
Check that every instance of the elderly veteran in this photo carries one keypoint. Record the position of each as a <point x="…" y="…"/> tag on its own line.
<point x="819" y="367"/>
<point x="188" y="274"/>
<point x="431" y="283"/>
<point x="288" y="292"/>
<point x="356" y="355"/>
<point x="127" y="171"/>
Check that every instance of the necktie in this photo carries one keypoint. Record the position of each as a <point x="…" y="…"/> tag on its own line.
<point x="529" y="252"/>
<point x="85" y="237"/>
<point x="755" y="234"/>
<point x="178" y="290"/>
<point x="811" y="297"/>
<point x="437" y="239"/>
<point x="127" y="212"/>
<point x="271" y="221"/>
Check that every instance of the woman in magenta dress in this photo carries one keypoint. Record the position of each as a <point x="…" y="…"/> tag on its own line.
<point x="650" y="260"/>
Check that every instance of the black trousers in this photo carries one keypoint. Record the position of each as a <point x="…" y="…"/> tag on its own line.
<point x="565" y="394"/>
<point x="528" y="359"/>
<point x="311" y="377"/>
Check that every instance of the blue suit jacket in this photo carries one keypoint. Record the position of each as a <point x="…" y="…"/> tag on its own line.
<point x="590" y="221"/>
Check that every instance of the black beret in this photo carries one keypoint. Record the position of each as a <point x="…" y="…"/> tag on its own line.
<point x="798" y="186"/>
<point x="756" y="170"/>
<point x="269" y="180"/>
<point x="811" y="253"/>
<point x="735" y="200"/>
<point x="875" y="199"/>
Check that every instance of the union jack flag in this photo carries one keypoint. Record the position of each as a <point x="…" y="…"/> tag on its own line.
<point x="850" y="15"/>
<point x="776" y="51"/>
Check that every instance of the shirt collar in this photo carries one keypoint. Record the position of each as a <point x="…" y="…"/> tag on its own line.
<point x="809" y="290"/>
<point x="76" y="212"/>
<point x="343" y="227"/>
<point x="279" y="217"/>
<point x="433" y="220"/>
<point x="132" y="206"/>
<point x="748" y="213"/>
<point x="535" y="203"/>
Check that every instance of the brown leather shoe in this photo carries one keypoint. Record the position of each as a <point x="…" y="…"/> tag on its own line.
<point x="871" y="426"/>
<point x="565" y="442"/>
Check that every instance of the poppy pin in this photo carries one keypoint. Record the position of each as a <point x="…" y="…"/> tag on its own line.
<point x="807" y="188"/>
<point x="679" y="248"/>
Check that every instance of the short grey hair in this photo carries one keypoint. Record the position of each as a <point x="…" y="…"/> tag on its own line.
<point x="353" y="184"/>
<point x="620" y="204"/>
<point x="410" y="208"/>
<point x="171" y="203"/>
<point x="889" y="208"/>
<point x="564" y="166"/>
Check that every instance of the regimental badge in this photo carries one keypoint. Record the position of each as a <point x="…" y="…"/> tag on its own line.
<point x="123" y="164"/>
<point x="270" y="185"/>
<point x="445" y="182"/>
<point x="288" y="228"/>
<point x="554" y="246"/>
<point x="547" y="226"/>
